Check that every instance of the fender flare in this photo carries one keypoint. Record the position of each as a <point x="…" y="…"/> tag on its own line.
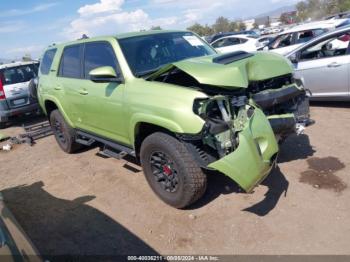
<point x="60" y="108"/>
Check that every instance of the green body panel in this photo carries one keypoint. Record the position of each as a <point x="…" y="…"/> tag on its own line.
<point x="249" y="164"/>
<point x="3" y="137"/>
<point x="261" y="66"/>
<point x="116" y="110"/>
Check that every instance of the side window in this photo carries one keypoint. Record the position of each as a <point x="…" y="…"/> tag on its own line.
<point x="46" y="62"/>
<point x="243" y="40"/>
<point x="99" y="54"/>
<point x="219" y="43"/>
<point x="331" y="47"/>
<point x="282" y="41"/>
<point x="305" y="36"/>
<point x="318" y="32"/>
<point x="234" y="41"/>
<point x="70" y="62"/>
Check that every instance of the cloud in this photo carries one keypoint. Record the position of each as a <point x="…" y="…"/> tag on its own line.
<point x="34" y="9"/>
<point x="101" y="7"/>
<point x="11" y="26"/>
<point x="108" y="17"/>
<point x="22" y="50"/>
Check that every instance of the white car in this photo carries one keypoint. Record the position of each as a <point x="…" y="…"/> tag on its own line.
<point x="234" y="43"/>
<point x="295" y="37"/>
<point x="15" y="98"/>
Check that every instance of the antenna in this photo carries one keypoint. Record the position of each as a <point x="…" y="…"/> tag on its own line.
<point x="84" y="36"/>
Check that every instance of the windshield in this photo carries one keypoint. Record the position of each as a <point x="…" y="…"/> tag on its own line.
<point x="146" y="54"/>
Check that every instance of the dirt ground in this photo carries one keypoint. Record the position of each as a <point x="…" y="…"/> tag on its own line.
<point x="86" y="204"/>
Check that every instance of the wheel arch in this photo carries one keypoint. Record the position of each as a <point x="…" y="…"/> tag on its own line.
<point x="51" y="104"/>
<point x="144" y="129"/>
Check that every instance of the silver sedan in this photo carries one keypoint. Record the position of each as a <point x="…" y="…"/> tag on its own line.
<point x="323" y="64"/>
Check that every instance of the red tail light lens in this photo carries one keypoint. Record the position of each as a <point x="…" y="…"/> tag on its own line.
<point x="2" y="91"/>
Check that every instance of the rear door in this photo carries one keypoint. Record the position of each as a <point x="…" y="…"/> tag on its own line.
<point x="69" y="84"/>
<point x="15" y="82"/>
<point x="324" y="67"/>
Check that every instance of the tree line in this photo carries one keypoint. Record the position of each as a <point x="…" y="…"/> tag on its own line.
<point x="222" y="24"/>
<point x="317" y="9"/>
<point x="314" y="9"/>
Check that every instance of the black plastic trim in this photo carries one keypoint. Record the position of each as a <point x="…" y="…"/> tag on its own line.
<point x="267" y="99"/>
<point x="112" y="144"/>
<point x="232" y="57"/>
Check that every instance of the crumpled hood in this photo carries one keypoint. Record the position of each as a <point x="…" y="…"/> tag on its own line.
<point x="238" y="74"/>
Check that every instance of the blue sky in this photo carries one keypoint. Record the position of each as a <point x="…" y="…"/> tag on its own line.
<point x="28" y="26"/>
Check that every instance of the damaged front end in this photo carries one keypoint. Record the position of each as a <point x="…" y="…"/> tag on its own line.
<point x="286" y="103"/>
<point x="236" y="139"/>
<point x="252" y="99"/>
<point x="265" y="78"/>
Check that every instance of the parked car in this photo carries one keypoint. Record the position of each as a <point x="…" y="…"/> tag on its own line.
<point x="14" y="93"/>
<point x="297" y="36"/>
<point x="323" y="64"/>
<point x="236" y="43"/>
<point x="168" y="99"/>
<point x="266" y="40"/>
<point x="214" y="37"/>
<point x="15" y="245"/>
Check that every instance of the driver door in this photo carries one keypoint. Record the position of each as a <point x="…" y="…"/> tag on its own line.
<point x="324" y="67"/>
<point x="104" y="110"/>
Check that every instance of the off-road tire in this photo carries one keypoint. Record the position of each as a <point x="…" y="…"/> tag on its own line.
<point x="192" y="181"/>
<point x="65" y="137"/>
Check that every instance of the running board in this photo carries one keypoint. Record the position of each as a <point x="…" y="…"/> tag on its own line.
<point x="109" y="152"/>
<point x="111" y="148"/>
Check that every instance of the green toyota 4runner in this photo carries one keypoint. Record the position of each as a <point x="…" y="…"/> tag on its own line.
<point x="168" y="99"/>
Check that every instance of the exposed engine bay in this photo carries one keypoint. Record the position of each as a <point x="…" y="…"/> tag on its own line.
<point x="283" y="100"/>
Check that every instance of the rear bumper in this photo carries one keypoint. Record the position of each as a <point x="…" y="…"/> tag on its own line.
<point x="6" y="113"/>
<point x="255" y="156"/>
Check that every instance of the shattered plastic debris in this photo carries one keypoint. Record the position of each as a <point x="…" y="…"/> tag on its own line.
<point x="300" y="129"/>
<point x="6" y="147"/>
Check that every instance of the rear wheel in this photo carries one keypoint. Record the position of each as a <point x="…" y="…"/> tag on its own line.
<point x="64" y="134"/>
<point x="171" y="171"/>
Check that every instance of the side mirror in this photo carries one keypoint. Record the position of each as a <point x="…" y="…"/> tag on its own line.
<point x="104" y="74"/>
<point x="294" y="58"/>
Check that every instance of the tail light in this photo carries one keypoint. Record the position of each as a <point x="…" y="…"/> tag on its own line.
<point x="2" y="91"/>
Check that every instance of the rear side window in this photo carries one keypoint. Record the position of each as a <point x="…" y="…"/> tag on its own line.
<point x="18" y="74"/>
<point x="70" y="62"/>
<point x="99" y="54"/>
<point x="47" y="61"/>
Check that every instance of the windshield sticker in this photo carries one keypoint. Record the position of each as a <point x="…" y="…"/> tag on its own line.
<point x="193" y="41"/>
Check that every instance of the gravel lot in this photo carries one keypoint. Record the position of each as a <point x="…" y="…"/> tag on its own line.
<point x="86" y="204"/>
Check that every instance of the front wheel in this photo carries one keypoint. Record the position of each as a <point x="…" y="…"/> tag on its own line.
<point x="171" y="171"/>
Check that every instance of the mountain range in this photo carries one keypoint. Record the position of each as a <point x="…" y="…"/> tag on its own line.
<point x="277" y="12"/>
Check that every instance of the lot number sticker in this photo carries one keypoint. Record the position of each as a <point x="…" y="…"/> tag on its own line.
<point x="194" y="41"/>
